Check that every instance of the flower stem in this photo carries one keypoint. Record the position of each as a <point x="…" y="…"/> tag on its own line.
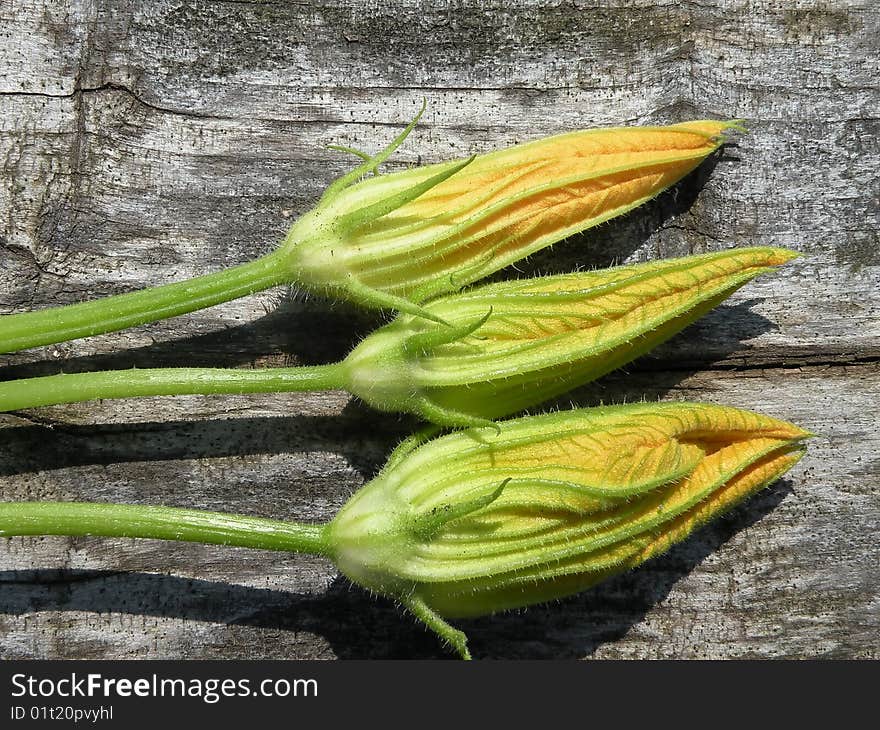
<point x="59" y="324"/>
<point x="76" y="387"/>
<point x="160" y="523"/>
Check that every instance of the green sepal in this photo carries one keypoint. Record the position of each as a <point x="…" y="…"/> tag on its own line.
<point x="410" y="443"/>
<point x="427" y="526"/>
<point x="364" y="216"/>
<point x="435" y="622"/>
<point x="366" y="295"/>
<point x="449" y="417"/>
<point x="351" y="151"/>
<point x="424" y="341"/>
<point x="371" y="163"/>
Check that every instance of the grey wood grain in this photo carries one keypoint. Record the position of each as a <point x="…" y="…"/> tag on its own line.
<point x="144" y="142"/>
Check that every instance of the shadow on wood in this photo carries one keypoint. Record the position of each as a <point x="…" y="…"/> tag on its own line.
<point x="361" y="435"/>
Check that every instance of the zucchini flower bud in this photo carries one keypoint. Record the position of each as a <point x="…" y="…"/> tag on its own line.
<point x="399" y="239"/>
<point x="478" y="521"/>
<point x="501" y="347"/>
<point x="396" y="240"/>
<point x="514" y="344"/>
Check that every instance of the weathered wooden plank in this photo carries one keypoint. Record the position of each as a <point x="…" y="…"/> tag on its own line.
<point x="143" y="142"/>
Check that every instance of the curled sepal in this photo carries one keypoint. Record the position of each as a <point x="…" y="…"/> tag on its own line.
<point x="370" y="163"/>
<point x="428" y="524"/>
<point x="419" y="233"/>
<point x="364" y="217"/>
<point x="476" y="521"/>
<point x="508" y="346"/>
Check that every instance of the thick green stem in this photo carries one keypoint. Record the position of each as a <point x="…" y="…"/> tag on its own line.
<point x="59" y="324"/>
<point x="75" y="387"/>
<point x="160" y="523"/>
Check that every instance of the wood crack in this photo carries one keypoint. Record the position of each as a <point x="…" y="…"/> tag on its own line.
<point x="58" y="577"/>
<point x="846" y="364"/>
